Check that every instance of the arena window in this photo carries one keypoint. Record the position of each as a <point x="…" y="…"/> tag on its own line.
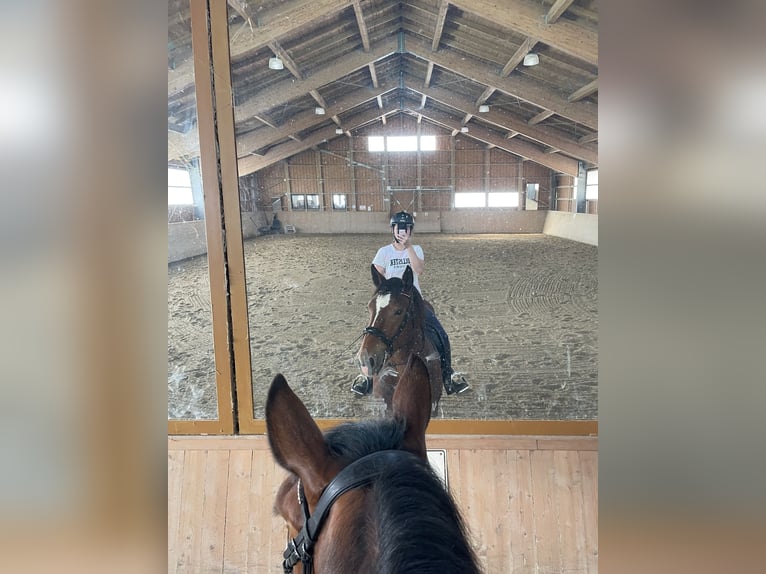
<point x="339" y="201"/>
<point x="179" y="187"/>
<point x="503" y="199"/>
<point x="300" y="201"/>
<point x="470" y="199"/>
<point x="401" y="143"/>
<point x="591" y="184"/>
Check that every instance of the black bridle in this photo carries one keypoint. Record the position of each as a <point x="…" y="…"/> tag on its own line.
<point x="389" y="342"/>
<point x="358" y="473"/>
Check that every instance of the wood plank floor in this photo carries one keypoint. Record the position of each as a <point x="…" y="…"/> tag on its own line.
<point x="530" y="503"/>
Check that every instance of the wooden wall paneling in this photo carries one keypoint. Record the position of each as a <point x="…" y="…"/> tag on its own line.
<point x="530" y="503"/>
<point x="175" y="504"/>
<point x="546" y="528"/>
<point x="268" y="535"/>
<point x="589" y="483"/>
<point x="238" y="517"/>
<point x="498" y="545"/>
<point x="569" y="510"/>
<point x="214" y="510"/>
<point x="522" y="513"/>
<point x="190" y="519"/>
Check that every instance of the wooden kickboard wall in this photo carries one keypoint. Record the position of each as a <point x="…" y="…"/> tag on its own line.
<point x="530" y="503"/>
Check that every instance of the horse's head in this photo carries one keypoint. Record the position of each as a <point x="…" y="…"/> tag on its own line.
<point x="346" y="543"/>
<point x="394" y="308"/>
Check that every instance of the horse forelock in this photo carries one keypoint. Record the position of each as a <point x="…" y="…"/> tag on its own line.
<point x="352" y="440"/>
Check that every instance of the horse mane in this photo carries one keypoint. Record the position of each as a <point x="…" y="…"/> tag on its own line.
<point x="418" y="525"/>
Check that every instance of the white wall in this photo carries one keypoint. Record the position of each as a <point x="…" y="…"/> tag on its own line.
<point x="188" y="239"/>
<point x="582" y="227"/>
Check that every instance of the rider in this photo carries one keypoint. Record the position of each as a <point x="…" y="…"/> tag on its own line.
<point x="391" y="260"/>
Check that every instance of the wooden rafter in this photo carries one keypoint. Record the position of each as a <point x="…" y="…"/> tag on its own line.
<point x="555" y="11"/>
<point x="518" y="56"/>
<point x="362" y="26"/>
<point x="544" y="115"/>
<point x="584" y="92"/>
<point x="429" y="73"/>
<point x="439" y="28"/>
<point x="289" y="63"/>
<point x="525" y="17"/>
<point x="522" y="87"/>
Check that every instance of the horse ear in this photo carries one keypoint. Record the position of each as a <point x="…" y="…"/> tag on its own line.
<point x="377" y="278"/>
<point x="296" y="441"/>
<point x="412" y="404"/>
<point x="407" y="278"/>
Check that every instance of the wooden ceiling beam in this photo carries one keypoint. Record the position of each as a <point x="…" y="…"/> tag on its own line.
<point x="526" y="150"/>
<point x="544" y="115"/>
<point x="289" y="89"/>
<point x="271" y="24"/>
<point x="289" y="63"/>
<point x="439" y="28"/>
<point x="518" y="56"/>
<point x="507" y="121"/>
<point x="304" y="121"/>
<point x="584" y="92"/>
<point x="250" y="163"/>
<point x="318" y="98"/>
<point x="528" y="18"/>
<point x="522" y="87"/>
<point x="362" y="26"/>
<point x="485" y="95"/>
<point x="261" y="118"/>
<point x="373" y="74"/>
<point x="429" y="73"/>
<point x="555" y="11"/>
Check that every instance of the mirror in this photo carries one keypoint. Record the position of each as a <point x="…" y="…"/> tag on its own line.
<point x="518" y="302"/>
<point x="191" y="364"/>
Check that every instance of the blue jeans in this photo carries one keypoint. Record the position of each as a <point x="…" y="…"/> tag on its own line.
<point x="438" y="336"/>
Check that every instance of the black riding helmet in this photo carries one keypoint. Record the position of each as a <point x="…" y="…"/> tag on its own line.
<point x="402" y="219"/>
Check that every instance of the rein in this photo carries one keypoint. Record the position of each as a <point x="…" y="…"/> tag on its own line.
<point x="389" y="342"/>
<point x="359" y="473"/>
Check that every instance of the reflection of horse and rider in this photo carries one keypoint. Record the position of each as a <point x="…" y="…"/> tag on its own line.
<point x="392" y="260"/>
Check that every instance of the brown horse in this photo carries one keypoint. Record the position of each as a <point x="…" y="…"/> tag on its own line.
<point x="396" y="331"/>
<point x="362" y="497"/>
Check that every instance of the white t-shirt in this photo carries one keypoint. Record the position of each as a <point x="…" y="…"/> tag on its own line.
<point x="395" y="262"/>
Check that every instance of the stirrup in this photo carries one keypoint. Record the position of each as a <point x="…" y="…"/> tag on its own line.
<point x="457" y="384"/>
<point x="362" y="385"/>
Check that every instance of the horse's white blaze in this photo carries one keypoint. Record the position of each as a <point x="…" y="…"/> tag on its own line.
<point x="381" y="303"/>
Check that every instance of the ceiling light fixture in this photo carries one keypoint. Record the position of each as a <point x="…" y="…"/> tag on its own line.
<point x="531" y="59"/>
<point x="276" y="64"/>
<point x="483" y="109"/>
<point x="319" y="111"/>
<point x="464" y="129"/>
<point x="338" y="131"/>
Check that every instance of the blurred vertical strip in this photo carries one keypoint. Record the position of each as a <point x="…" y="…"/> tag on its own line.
<point x="82" y="287"/>
<point x="682" y="142"/>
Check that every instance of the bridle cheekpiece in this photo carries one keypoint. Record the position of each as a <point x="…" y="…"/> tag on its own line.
<point x="359" y="473"/>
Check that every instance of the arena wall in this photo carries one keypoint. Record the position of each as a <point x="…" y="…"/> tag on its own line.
<point x="582" y="227"/>
<point x="188" y="239"/>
